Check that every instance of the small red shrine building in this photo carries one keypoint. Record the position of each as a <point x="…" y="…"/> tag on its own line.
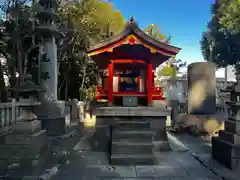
<point x="127" y="63"/>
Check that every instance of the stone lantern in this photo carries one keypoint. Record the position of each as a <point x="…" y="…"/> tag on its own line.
<point x="27" y="93"/>
<point x="226" y="147"/>
<point x="27" y="143"/>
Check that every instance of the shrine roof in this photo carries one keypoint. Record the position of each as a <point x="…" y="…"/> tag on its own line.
<point x="132" y="29"/>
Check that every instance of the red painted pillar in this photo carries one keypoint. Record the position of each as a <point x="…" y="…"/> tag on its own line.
<point x="150" y="83"/>
<point x="110" y="83"/>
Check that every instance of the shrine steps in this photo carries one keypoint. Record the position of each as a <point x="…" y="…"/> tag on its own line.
<point x="132" y="143"/>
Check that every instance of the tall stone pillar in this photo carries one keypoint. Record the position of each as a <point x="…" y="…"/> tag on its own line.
<point x="49" y="70"/>
<point x="49" y="112"/>
<point x="201" y="88"/>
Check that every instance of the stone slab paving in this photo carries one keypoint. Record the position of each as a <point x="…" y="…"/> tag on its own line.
<point x="201" y="150"/>
<point x="175" y="165"/>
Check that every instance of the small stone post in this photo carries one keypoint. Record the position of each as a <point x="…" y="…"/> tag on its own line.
<point x="73" y="115"/>
<point x="81" y="111"/>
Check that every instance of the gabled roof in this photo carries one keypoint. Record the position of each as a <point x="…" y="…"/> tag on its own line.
<point x="133" y="29"/>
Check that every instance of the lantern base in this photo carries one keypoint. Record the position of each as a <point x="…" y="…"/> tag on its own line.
<point x="55" y="126"/>
<point x="27" y="126"/>
<point x="52" y="117"/>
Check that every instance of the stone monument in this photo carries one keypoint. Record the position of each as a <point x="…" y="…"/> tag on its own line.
<point x="27" y="144"/>
<point x="49" y="112"/>
<point x="201" y="88"/>
<point x="201" y="117"/>
<point x="226" y="147"/>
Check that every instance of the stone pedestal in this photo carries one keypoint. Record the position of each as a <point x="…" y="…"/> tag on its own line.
<point x="201" y="88"/>
<point x="51" y="117"/>
<point x="131" y="135"/>
<point x="26" y="146"/>
<point x="226" y="147"/>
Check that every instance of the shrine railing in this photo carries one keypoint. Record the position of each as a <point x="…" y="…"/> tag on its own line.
<point x="9" y="112"/>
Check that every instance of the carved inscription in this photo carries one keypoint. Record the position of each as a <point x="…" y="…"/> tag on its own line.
<point x="45" y="75"/>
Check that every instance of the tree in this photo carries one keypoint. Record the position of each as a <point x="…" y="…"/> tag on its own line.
<point x="81" y="24"/>
<point x="172" y="68"/>
<point x="15" y="32"/>
<point x="84" y="23"/>
<point x="230" y="15"/>
<point x="218" y="44"/>
<point x="154" y="31"/>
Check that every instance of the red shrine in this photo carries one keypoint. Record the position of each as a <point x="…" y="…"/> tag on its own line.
<point x="127" y="63"/>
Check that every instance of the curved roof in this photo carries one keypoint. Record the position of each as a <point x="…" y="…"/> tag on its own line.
<point x="133" y="29"/>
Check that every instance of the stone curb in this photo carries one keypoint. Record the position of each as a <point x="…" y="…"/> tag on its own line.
<point x="207" y="165"/>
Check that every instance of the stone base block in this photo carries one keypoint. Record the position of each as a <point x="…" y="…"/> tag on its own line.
<point x="199" y="124"/>
<point x="19" y="151"/>
<point x="161" y="146"/>
<point x="226" y="154"/>
<point x="232" y="126"/>
<point x="27" y="126"/>
<point x="38" y="139"/>
<point x="229" y="137"/>
<point x="25" y="165"/>
<point x="55" y="126"/>
<point x="102" y="138"/>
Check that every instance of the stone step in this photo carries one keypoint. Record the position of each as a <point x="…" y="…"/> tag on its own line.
<point x="232" y="126"/>
<point x="138" y="125"/>
<point x="127" y="147"/>
<point x="133" y="159"/>
<point x="133" y="135"/>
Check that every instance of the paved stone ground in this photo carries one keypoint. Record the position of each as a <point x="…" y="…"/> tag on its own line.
<point x="201" y="150"/>
<point x="178" y="164"/>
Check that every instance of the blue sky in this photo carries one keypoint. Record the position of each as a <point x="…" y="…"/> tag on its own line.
<point x="183" y="20"/>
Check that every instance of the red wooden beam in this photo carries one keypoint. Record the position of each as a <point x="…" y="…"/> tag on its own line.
<point x="128" y="61"/>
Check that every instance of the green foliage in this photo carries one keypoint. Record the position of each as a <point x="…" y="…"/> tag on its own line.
<point x="230" y="15"/>
<point x="172" y="68"/>
<point x="87" y="94"/>
<point x="16" y="40"/>
<point x="154" y="31"/>
<point x="84" y="23"/>
<point x="218" y="44"/>
<point x="81" y="24"/>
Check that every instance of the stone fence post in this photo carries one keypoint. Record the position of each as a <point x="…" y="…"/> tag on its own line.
<point x="81" y="111"/>
<point x="73" y="111"/>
